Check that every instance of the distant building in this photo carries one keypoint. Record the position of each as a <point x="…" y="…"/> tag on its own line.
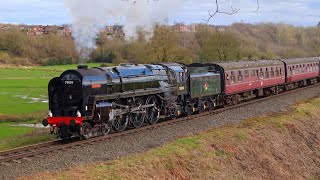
<point x="185" y="28"/>
<point x="195" y="27"/>
<point x="36" y="31"/>
<point x="64" y="31"/>
<point x="113" y="31"/>
<point x="45" y="30"/>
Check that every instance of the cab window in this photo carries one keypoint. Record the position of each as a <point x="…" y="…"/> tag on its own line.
<point x="182" y="76"/>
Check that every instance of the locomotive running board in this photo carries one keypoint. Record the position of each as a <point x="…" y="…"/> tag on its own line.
<point x="134" y="93"/>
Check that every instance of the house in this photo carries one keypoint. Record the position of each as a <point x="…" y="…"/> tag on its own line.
<point x="180" y="27"/>
<point x="64" y="31"/>
<point x="36" y="31"/>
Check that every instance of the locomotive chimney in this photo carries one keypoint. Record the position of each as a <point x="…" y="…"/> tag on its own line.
<point x="82" y="66"/>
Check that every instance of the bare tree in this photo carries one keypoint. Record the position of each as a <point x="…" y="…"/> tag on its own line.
<point x="232" y="11"/>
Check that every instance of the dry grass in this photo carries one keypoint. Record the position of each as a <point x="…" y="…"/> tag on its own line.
<point x="281" y="146"/>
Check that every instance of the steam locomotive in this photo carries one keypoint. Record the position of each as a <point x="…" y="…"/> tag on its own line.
<point x="89" y="102"/>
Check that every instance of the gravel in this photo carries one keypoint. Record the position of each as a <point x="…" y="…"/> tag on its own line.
<point x="143" y="141"/>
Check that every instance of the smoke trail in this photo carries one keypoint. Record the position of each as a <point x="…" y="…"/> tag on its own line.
<point x="91" y="16"/>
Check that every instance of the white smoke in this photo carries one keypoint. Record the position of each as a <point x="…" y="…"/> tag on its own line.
<point x="89" y="17"/>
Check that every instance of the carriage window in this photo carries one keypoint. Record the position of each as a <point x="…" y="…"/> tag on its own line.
<point x="280" y="71"/>
<point x="240" y="76"/>
<point x="261" y="74"/>
<point x="293" y="70"/>
<point x="289" y="71"/>
<point x="272" y="73"/>
<point x="246" y="73"/>
<point x="277" y="71"/>
<point x="227" y="78"/>
<point x="253" y="74"/>
<point x="233" y="78"/>
<point x="297" y="69"/>
<point x="310" y="67"/>
<point x="267" y="73"/>
<point x="301" y="69"/>
<point x="304" y="68"/>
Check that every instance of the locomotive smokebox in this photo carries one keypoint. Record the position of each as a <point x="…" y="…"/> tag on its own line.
<point x="82" y="66"/>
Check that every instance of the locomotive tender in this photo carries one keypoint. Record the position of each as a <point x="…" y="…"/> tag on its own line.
<point x="90" y="102"/>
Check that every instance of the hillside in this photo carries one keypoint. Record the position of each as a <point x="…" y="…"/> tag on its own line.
<point x="204" y="43"/>
<point x="278" y="146"/>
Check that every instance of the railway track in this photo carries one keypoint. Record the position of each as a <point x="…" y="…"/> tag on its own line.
<point x="26" y="153"/>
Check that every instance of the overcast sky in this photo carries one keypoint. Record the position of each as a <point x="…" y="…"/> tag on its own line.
<point x="296" y="12"/>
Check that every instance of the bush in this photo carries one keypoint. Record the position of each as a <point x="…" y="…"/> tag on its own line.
<point x="4" y="58"/>
<point x="56" y="61"/>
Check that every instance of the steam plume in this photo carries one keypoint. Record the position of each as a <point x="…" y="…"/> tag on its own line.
<point x="91" y="16"/>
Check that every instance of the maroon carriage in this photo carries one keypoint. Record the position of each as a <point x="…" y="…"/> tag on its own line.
<point x="247" y="79"/>
<point x="301" y="71"/>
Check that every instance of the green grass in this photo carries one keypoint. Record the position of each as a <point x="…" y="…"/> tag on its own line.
<point x="18" y="88"/>
<point x="13" y="137"/>
<point x="10" y="131"/>
<point x="64" y="67"/>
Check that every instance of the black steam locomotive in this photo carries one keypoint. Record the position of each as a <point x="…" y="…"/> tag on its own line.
<point x="89" y="102"/>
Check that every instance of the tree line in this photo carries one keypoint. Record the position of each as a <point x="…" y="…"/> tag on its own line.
<point x="235" y="42"/>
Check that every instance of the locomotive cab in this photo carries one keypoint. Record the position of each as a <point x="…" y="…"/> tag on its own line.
<point x="178" y="76"/>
